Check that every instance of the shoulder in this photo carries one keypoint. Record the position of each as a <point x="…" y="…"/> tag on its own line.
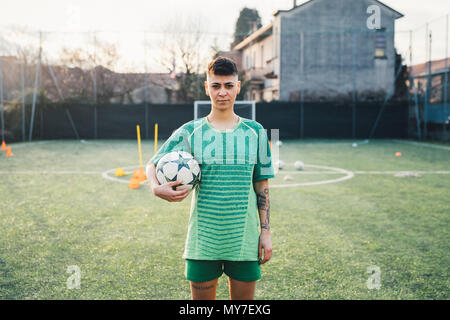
<point x="190" y="126"/>
<point x="256" y="126"/>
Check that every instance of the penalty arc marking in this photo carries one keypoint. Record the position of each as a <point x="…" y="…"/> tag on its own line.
<point x="348" y="175"/>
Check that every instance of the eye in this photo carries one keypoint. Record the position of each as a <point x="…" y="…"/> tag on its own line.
<point x="230" y="86"/>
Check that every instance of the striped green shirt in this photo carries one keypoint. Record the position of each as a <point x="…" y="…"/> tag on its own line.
<point x="224" y="218"/>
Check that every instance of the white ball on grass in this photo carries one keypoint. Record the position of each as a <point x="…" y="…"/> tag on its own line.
<point x="280" y="164"/>
<point x="279" y="143"/>
<point x="299" y="165"/>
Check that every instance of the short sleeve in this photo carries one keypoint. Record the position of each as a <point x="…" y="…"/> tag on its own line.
<point x="263" y="167"/>
<point x="178" y="141"/>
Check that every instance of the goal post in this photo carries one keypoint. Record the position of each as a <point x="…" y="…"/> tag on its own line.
<point x="244" y="109"/>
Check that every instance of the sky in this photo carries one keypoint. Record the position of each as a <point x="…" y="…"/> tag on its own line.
<point x="69" y="22"/>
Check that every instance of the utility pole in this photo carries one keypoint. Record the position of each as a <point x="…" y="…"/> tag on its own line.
<point x="444" y="125"/>
<point x="1" y="101"/>
<point x="95" y="89"/>
<point x="36" y="83"/>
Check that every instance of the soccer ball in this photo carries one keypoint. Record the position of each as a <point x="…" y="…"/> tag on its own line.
<point x="280" y="164"/>
<point x="279" y="143"/>
<point x="178" y="165"/>
<point x="299" y="165"/>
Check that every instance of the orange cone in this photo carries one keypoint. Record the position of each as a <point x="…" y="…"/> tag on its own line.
<point x="140" y="175"/>
<point x="134" y="183"/>
<point x="3" y="146"/>
<point x="398" y="154"/>
<point x="9" y="152"/>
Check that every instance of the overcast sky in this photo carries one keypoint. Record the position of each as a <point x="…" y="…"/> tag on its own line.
<point x="215" y="18"/>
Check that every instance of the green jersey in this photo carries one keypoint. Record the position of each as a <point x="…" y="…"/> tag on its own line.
<point x="224" y="218"/>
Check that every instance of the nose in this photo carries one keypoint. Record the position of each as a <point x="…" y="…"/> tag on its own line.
<point x="222" y="91"/>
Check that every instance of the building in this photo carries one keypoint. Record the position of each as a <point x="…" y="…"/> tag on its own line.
<point x="321" y="49"/>
<point x="430" y="97"/>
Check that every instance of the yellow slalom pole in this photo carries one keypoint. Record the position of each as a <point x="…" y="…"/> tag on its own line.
<point x="156" y="137"/>
<point x="139" y="144"/>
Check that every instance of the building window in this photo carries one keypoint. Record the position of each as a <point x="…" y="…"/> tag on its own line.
<point x="380" y="44"/>
<point x="262" y="56"/>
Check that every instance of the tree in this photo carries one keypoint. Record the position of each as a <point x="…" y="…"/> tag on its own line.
<point x="248" y="20"/>
<point x="98" y="65"/>
<point x="183" y="55"/>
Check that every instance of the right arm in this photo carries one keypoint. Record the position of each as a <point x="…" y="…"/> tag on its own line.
<point x="164" y="191"/>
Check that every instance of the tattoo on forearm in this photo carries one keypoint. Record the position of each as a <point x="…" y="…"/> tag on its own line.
<point x="263" y="203"/>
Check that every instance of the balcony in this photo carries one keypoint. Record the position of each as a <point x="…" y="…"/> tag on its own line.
<point x="269" y="69"/>
<point x="258" y="75"/>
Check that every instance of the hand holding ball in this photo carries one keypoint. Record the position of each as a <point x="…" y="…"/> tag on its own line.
<point x="178" y="166"/>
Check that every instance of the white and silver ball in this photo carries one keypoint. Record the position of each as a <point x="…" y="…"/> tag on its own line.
<point x="299" y="165"/>
<point x="178" y="166"/>
<point x="280" y="164"/>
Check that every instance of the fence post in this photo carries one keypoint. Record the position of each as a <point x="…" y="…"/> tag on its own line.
<point x="444" y="125"/>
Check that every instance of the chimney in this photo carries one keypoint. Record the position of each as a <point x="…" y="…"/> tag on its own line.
<point x="254" y="26"/>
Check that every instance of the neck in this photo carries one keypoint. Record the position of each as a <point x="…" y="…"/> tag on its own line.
<point x="222" y="116"/>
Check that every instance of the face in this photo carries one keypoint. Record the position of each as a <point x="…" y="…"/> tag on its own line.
<point x="222" y="90"/>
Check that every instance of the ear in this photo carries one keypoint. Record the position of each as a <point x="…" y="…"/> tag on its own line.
<point x="238" y="87"/>
<point x="206" y="88"/>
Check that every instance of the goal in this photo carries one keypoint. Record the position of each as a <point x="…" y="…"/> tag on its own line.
<point x="244" y="109"/>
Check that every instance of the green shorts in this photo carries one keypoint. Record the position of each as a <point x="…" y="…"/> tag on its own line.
<point x="207" y="270"/>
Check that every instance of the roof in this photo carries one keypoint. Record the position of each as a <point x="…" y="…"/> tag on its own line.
<point x="263" y="31"/>
<point x="437" y="66"/>
<point x="398" y="14"/>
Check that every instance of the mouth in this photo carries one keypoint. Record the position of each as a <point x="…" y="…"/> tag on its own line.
<point x="222" y="101"/>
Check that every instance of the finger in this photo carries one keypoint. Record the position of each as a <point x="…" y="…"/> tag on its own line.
<point x="259" y="251"/>
<point x="180" y="197"/>
<point x="267" y="255"/>
<point x="180" y="193"/>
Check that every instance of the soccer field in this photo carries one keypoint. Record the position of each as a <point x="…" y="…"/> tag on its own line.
<point x="351" y="208"/>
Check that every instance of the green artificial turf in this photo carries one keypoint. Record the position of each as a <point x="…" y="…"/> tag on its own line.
<point x="57" y="210"/>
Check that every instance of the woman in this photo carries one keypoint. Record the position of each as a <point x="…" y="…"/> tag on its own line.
<point x="233" y="195"/>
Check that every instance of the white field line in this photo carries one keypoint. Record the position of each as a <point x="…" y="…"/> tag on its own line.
<point x="17" y="145"/>
<point x="423" y="144"/>
<point x="348" y="175"/>
<point x="106" y="175"/>
<point x="362" y="172"/>
<point x="50" y="172"/>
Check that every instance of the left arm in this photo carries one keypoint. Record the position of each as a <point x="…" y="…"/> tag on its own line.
<point x="262" y="195"/>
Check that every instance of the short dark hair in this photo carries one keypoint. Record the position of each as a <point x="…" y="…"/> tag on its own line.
<point x="223" y="66"/>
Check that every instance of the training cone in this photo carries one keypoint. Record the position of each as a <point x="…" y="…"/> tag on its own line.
<point x="120" y="172"/>
<point x="9" y="152"/>
<point x="139" y="175"/>
<point x="398" y="154"/>
<point x="3" y="146"/>
<point x="134" y="183"/>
